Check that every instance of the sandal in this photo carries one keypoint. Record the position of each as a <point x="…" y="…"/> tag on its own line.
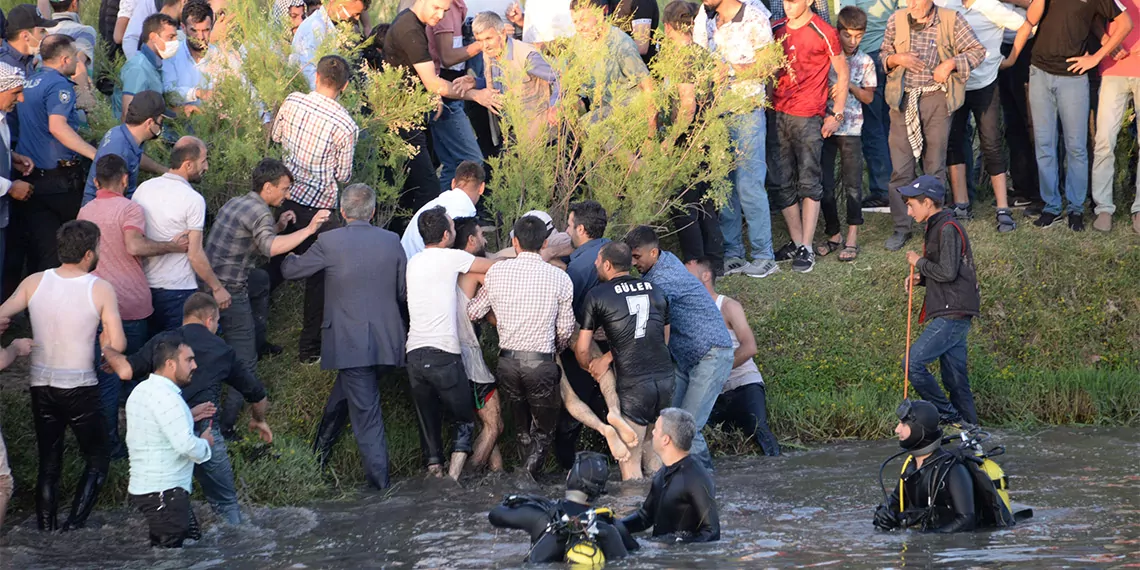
<point x="849" y="253"/>
<point x="827" y="248"/>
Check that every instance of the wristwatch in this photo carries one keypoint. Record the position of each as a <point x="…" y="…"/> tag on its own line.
<point x="838" y="117"/>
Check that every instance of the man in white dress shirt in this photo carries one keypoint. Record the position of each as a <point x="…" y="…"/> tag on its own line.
<point x="459" y="202"/>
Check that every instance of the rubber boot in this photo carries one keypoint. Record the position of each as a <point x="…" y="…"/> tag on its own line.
<point x="332" y="423"/>
<point x="86" y="494"/>
<point x="46" y="505"/>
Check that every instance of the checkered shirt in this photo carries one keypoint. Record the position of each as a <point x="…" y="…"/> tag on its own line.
<point x="924" y="45"/>
<point x="319" y="137"/>
<point x="532" y="301"/>
<point x="240" y="239"/>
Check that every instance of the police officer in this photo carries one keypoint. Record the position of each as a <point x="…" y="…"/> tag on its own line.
<point x="48" y="119"/>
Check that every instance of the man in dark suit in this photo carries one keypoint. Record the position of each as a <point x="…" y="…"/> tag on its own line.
<point x="363" y="333"/>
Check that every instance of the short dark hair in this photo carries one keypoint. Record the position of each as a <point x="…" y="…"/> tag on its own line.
<point x="56" y="46"/>
<point x="705" y="264"/>
<point x="642" y="236"/>
<point x="196" y="12"/>
<point x="465" y="227"/>
<point x="590" y="215"/>
<point x="851" y="18"/>
<point x="618" y="254"/>
<point x="153" y="24"/>
<point x="144" y="106"/>
<point x="433" y="225"/>
<point x="75" y="239"/>
<point x="269" y="171"/>
<point x="470" y="171"/>
<point x="166" y="347"/>
<point x="937" y="203"/>
<point x="333" y="71"/>
<point x="188" y="151"/>
<point x="60" y="5"/>
<point x="531" y="232"/>
<point x="110" y="169"/>
<point x="201" y="305"/>
<point x="680" y="15"/>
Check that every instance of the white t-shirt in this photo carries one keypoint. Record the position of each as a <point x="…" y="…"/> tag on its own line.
<point x="171" y="206"/>
<point x="545" y="20"/>
<point x="456" y="202"/>
<point x="432" y="298"/>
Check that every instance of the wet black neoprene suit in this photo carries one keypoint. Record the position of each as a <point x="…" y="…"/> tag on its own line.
<point x="614" y="540"/>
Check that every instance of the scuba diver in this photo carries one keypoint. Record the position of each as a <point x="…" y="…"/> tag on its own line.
<point x="942" y="490"/>
<point x="569" y="529"/>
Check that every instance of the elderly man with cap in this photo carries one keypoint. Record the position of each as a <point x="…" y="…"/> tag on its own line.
<point x="11" y="92"/>
<point x="143" y="123"/>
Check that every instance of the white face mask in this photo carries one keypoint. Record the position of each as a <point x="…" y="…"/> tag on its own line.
<point x="169" y="49"/>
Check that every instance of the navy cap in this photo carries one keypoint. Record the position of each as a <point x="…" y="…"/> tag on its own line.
<point x="925" y="185"/>
<point x="25" y="17"/>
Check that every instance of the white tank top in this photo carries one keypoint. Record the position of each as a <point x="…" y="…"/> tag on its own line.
<point x="746" y="373"/>
<point x="64" y="325"/>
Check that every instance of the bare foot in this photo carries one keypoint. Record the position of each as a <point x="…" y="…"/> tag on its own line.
<point x="458" y="459"/>
<point x="618" y="423"/>
<point x="617" y="447"/>
<point x="435" y="471"/>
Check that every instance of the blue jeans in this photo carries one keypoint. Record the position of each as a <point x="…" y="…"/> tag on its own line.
<point x="1052" y="96"/>
<point x="695" y="391"/>
<point x="453" y="140"/>
<point x="167" y="308"/>
<point x="944" y="340"/>
<point x="749" y="196"/>
<point x="876" y="130"/>
<point x="216" y="477"/>
<point x="112" y="389"/>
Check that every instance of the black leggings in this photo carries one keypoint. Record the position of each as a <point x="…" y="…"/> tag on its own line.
<point x="53" y="410"/>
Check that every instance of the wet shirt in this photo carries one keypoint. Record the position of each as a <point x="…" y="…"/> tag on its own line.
<point x="680" y="503"/>
<point x="801" y="87"/>
<point x="634" y="315"/>
<point x="1064" y="31"/>
<point x="46" y="93"/>
<point x="697" y="326"/>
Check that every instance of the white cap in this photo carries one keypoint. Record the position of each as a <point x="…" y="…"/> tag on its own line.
<point x="540" y="215"/>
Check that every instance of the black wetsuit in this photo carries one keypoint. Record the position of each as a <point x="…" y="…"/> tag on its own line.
<point x="953" y="509"/>
<point x="534" y="514"/>
<point x="634" y="315"/>
<point x="680" y="503"/>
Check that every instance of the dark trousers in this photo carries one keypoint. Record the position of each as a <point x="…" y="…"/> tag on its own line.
<point x="243" y="326"/>
<point x="113" y="391"/>
<point x="168" y="304"/>
<point x="53" y="411"/>
<point x="421" y="184"/>
<point x="944" y="340"/>
<point x="796" y="173"/>
<point x="532" y="388"/>
<point x="587" y="390"/>
<point x="698" y="227"/>
<point x="169" y="517"/>
<point x="356" y="397"/>
<point x="935" y="122"/>
<point x="309" y="344"/>
<point x="55" y="200"/>
<point x="746" y="409"/>
<point x="850" y="153"/>
<point x="440" y="386"/>
<point x="984" y="105"/>
<point x="1013" y="85"/>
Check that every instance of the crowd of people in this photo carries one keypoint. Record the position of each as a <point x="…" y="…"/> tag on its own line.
<point x="127" y="287"/>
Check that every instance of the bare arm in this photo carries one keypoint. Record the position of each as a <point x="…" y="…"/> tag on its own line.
<point x="482" y="265"/>
<point x="58" y="127"/>
<point x="108" y="305"/>
<point x="1033" y="16"/>
<point x="642" y="34"/>
<point x="450" y="55"/>
<point x="436" y="84"/>
<point x="736" y="320"/>
<point x="579" y="410"/>
<point x="18" y="302"/>
<point x="582" y="348"/>
<point x="687" y="110"/>
<point x="862" y="94"/>
<point x="120" y="30"/>
<point x="839" y="99"/>
<point x="1019" y="3"/>
<point x="127" y="98"/>
<point x="139" y="245"/>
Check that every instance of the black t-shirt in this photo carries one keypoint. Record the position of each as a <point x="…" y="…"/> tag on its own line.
<point x="1064" y="31"/>
<point x="634" y="315"/>
<point x="628" y="10"/>
<point x="406" y="43"/>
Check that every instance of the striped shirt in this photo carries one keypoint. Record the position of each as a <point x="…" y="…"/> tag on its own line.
<point x="924" y="45"/>
<point x="160" y="438"/>
<point x="319" y="138"/>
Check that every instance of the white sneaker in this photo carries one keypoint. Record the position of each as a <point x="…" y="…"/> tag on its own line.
<point x="734" y="265"/>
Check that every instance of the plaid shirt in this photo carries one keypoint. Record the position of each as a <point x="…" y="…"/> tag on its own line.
<point x="319" y="137"/>
<point x="532" y="301"/>
<point x="924" y="45"/>
<point x="240" y="237"/>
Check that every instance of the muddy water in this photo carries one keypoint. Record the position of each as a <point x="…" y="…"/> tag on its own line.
<point x="807" y="509"/>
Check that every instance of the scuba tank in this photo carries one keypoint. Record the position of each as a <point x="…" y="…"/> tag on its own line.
<point x="583" y="552"/>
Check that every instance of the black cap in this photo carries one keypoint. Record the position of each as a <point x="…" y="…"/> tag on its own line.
<point x="925" y="185"/>
<point x="589" y="474"/>
<point x="145" y="105"/>
<point x="25" y="17"/>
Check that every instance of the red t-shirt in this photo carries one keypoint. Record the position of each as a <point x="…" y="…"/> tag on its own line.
<point x="801" y="88"/>
<point x="114" y="215"/>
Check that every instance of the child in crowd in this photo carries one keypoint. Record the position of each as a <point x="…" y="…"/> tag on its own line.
<point x="811" y="47"/>
<point x="847" y="141"/>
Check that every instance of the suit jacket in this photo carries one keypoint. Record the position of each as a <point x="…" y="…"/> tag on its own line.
<point x="365" y="295"/>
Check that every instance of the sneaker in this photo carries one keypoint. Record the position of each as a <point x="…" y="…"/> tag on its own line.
<point x="962" y="212"/>
<point x="1076" y="222"/>
<point x="760" y="268"/>
<point x="1046" y="220"/>
<point x="1005" y="223"/>
<point x="1019" y="202"/>
<point x="1034" y="209"/>
<point x="734" y="265"/>
<point x="897" y="240"/>
<point x="787" y="252"/>
<point x="874" y="203"/>
<point x="804" y="260"/>
<point x="1103" y="222"/>
<point x="310" y="360"/>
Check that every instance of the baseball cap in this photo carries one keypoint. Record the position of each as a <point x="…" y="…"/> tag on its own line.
<point x="540" y="215"/>
<point x="25" y="17"/>
<point x="145" y="105"/>
<point x="924" y="185"/>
